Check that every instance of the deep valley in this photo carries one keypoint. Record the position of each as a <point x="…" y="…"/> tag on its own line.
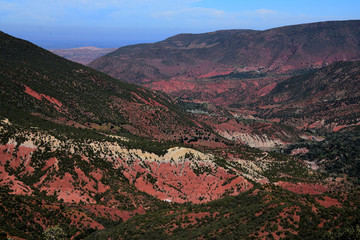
<point x="234" y="134"/>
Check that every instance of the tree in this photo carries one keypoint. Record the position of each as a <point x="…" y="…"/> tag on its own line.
<point x="55" y="233"/>
<point x="350" y="233"/>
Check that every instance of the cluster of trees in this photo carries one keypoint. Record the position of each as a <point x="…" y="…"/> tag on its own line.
<point x="338" y="154"/>
<point x="240" y="217"/>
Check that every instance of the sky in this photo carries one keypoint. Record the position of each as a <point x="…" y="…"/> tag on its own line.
<point x="56" y="24"/>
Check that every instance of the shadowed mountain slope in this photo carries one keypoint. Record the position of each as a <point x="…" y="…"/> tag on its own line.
<point x="40" y="83"/>
<point x="327" y="97"/>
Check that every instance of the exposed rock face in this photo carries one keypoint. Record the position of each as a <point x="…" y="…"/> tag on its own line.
<point x="258" y="141"/>
<point x="253" y="132"/>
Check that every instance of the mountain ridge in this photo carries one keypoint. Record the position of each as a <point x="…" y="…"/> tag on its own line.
<point x="87" y="155"/>
<point x="278" y="49"/>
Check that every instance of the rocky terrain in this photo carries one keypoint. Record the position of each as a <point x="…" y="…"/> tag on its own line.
<point x="97" y="183"/>
<point x="258" y="153"/>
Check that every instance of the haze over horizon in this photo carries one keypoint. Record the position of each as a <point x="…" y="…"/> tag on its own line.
<point x="114" y="23"/>
<point x="248" y="133"/>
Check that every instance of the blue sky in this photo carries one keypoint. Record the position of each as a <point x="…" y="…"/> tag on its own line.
<point x="114" y="23"/>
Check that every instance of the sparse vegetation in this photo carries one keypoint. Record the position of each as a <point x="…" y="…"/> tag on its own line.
<point x="77" y="146"/>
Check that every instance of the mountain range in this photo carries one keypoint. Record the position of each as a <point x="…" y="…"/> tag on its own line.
<point x="188" y="56"/>
<point x="232" y="68"/>
<point x="235" y="134"/>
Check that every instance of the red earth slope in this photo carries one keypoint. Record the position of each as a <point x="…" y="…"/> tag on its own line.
<point x="188" y="56"/>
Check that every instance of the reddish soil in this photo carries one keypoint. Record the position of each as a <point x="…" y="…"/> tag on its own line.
<point x="50" y="163"/>
<point x="52" y="100"/>
<point x="57" y="104"/>
<point x="328" y="202"/>
<point x="338" y="128"/>
<point x="177" y="182"/>
<point x="32" y="93"/>
<point x="265" y="90"/>
<point x="290" y="215"/>
<point x="64" y="186"/>
<point x="20" y="158"/>
<point x="184" y="181"/>
<point x="218" y="91"/>
<point x="80" y="218"/>
<point x="15" y="185"/>
<point x="112" y="213"/>
<point x="303" y="188"/>
<point x="299" y="151"/>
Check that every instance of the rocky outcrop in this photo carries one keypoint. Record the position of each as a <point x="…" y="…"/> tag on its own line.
<point x="257" y="141"/>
